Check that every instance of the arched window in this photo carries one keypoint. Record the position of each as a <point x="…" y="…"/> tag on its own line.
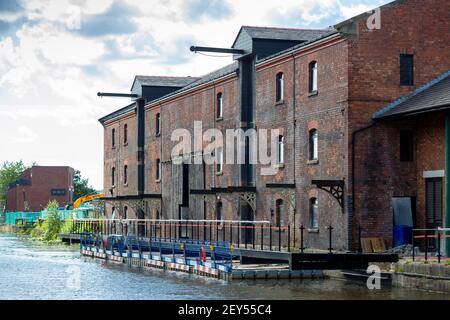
<point x="125" y="212"/>
<point x="113" y="212"/>
<point x="219" y="110"/>
<point x="313" y="145"/>
<point x="219" y="213"/>
<point x="158" y="169"/>
<point x="313" y="76"/>
<point x="280" y="151"/>
<point x="125" y="174"/>
<point x="113" y="176"/>
<point x="219" y="160"/>
<point x="313" y="213"/>
<point x="280" y="87"/>
<point x="125" y="133"/>
<point x="158" y="124"/>
<point x="279" y="213"/>
<point x="113" y="138"/>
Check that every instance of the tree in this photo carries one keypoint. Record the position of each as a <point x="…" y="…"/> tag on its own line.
<point x="9" y="173"/>
<point x="81" y="186"/>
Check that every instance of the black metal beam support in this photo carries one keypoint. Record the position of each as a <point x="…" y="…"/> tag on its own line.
<point x="117" y="95"/>
<point x="334" y="187"/>
<point x="216" y="50"/>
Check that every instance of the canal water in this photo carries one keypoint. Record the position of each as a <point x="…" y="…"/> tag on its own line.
<point x="31" y="270"/>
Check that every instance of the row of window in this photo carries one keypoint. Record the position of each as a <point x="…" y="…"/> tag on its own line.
<point x="125" y="173"/>
<point x="312" y="81"/>
<point x="313" y="213"/>
<point x="125" y="131"/>
<point x="406" y="76"/>
<point x="313" y="153"/>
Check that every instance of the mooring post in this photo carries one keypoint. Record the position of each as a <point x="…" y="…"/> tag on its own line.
<point x="330" y="228"/>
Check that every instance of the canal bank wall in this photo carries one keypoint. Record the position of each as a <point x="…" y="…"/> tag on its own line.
<point x="424" y="276"/>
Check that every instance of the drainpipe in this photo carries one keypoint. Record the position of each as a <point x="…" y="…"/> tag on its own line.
<point x="294" y="105"/>
<point x="140" y="106"/>
<point x="447" y="182"/>
<point x="351" y="212"/>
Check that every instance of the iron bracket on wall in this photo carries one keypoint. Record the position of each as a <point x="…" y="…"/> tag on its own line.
<point x="333" y="187"/>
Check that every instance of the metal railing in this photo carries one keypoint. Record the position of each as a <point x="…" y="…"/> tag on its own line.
<point x="430" y="241"/>
<point x="256" y="235"/>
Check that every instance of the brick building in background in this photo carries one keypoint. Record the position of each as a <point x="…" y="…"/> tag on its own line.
<point x="39" y="185"/>
<point x="342" y="164"/>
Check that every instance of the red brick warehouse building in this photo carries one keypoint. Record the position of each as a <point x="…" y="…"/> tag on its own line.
<point x="343" y="158"/>
<point x="39" y="185"/>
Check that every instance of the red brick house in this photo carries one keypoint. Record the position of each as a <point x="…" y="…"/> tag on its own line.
<point x="39" y="185"/>
<point x="322" y="89"/>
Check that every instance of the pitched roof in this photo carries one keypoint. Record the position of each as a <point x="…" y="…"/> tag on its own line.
<point x="431" y="96"/>
<point x="118" y="113"/>
<point x="229" y="69"/>
<point x="158" y="81"/>
<point x="273" y="33"/>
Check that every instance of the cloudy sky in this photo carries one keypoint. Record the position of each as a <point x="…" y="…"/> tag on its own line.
<point x="55" y="55"/>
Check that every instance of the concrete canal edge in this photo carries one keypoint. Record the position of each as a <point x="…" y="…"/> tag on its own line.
<point x="419" y="275"/>
<point x="405" y="274"/>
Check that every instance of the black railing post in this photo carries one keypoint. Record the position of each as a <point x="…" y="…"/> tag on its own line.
<point x="279" y="238"/>
<point x="426" y="245"/>
<point x="302" y="247"/>
<point x="289" y="238"/>
<point x="239" y="235"/>
<point x="231" y="233"/>
<point x="192" y="230"/>
<point x="330" y="249"/>
<point x="413" y="242"/>
<point x="210" y="232"/>
<point x="262" y="237"/>
<point x="217" y="231"/>
<point x="223" y="232"/>
<point x="170" y="231"/>
<point x="359" y="240"/>
<point x="270" y="237"/>
<point x="254" y="236"/>
<point x="439" y="246"/>
<point x="246" y="234"/>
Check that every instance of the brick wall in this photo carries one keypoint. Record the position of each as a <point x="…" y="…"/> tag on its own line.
<point x="38" y="193"/>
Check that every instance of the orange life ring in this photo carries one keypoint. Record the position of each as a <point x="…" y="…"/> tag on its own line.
<point x="202" y="254"/>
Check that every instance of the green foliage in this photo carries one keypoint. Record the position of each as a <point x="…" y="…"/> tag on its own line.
<point x="49" y="229"/>
<point x="81" y="186"/>
<point x="9" y="173"/>
<point x="67" y="226"/>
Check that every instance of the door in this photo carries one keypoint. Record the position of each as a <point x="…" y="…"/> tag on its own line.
<point x="433" y="202"/>
<point x="247" y="232"/>
<point x="433" y="206"/>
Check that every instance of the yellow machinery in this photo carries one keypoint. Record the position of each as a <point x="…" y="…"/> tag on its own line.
<point x="87" y="198"/>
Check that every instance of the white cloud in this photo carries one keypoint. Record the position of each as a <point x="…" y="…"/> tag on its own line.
<point x="354" y="10"/>
<point x="49" y="75"/>
<point x="25" y="135"/>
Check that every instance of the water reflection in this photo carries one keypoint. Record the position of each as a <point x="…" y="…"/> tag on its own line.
<point x="31" y="270"/>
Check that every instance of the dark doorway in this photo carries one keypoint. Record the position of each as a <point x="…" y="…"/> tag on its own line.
<point x="247" y="232"/>
<point x="141" y="224"/>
